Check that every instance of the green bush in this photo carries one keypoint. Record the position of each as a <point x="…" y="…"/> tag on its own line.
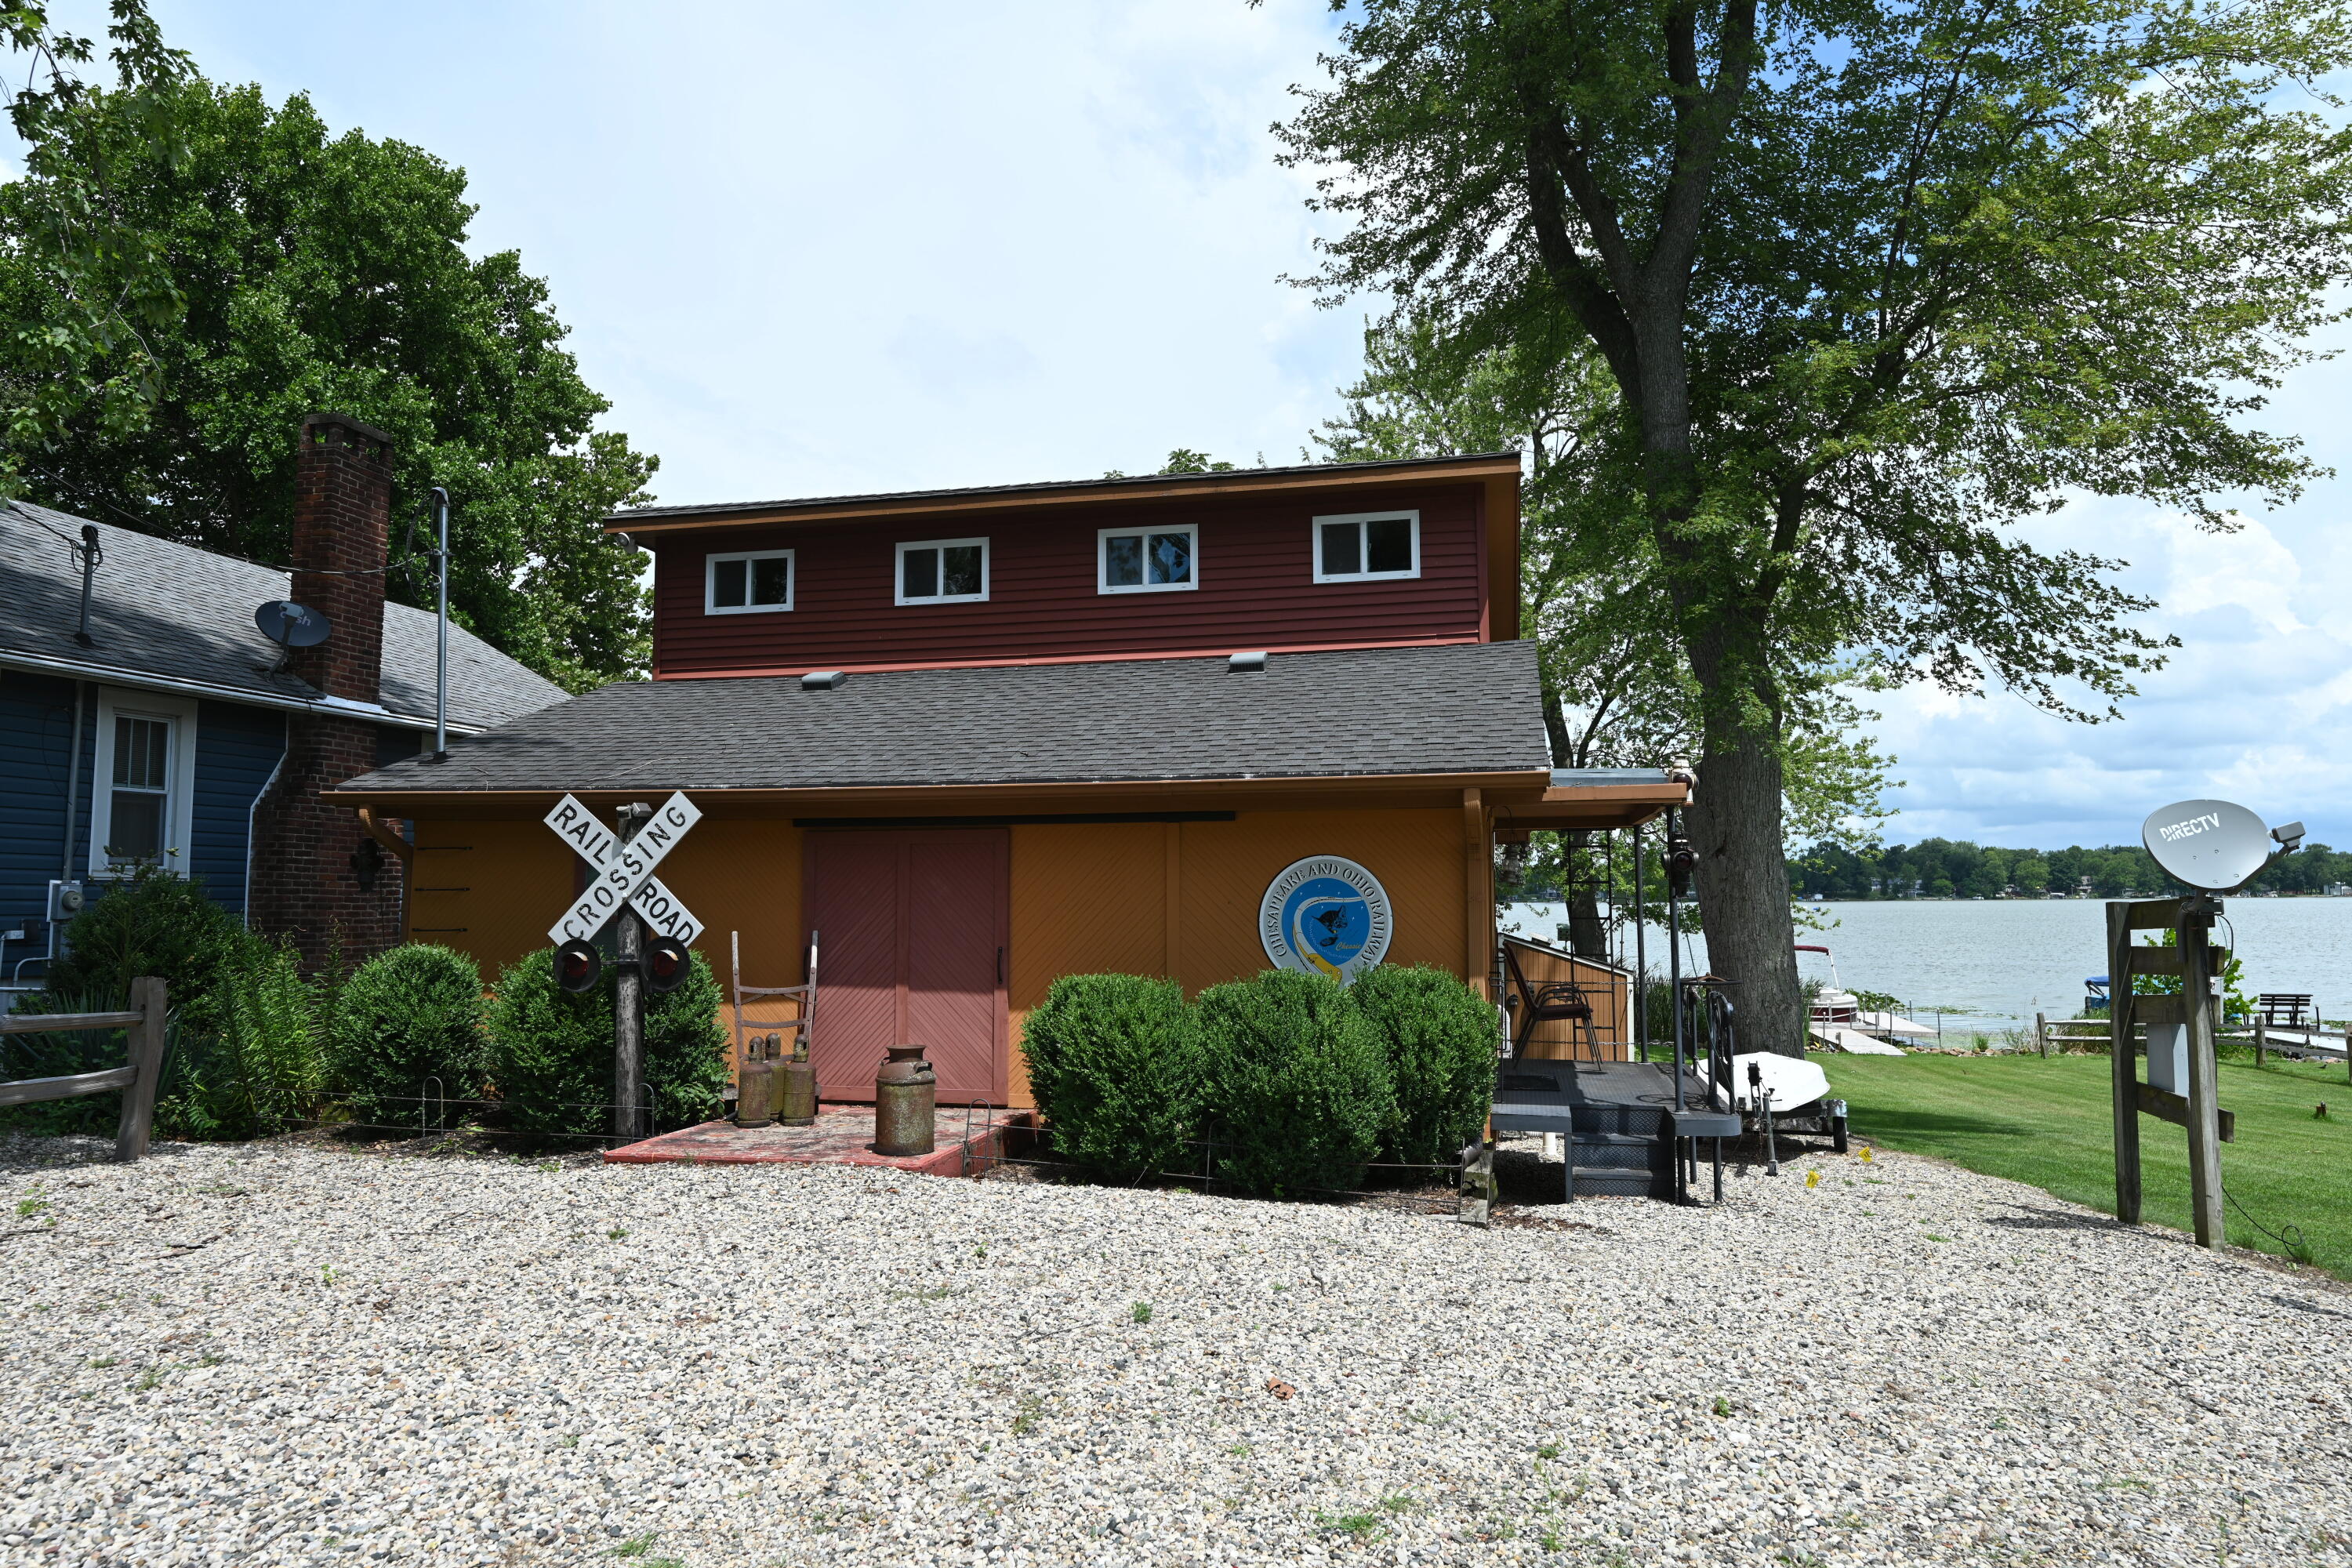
<point x="1441" y="1040"/>
<point x="411" y="1014"/>
<point x="256" y="1062"/>
<point x="1115" y="1065"/>
<point x="155" y="923"/>
<point x="1295" y="1084"/>
<point x="551" y="1052"/>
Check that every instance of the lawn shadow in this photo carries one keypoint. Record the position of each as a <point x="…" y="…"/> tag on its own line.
<point x="1885" y="1123"/>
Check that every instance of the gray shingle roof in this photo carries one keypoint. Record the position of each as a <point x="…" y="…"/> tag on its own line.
<point x="1473" y="707"/>
<point x="167" y="609"/>
<point x="1046" y="487"/>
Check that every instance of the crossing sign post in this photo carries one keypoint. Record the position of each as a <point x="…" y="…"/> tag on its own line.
<point x="623" y="893"/>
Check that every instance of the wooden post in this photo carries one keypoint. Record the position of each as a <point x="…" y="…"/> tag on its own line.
<point x="2198" y="1007"/>
<point x="2261" y="1040"/>
<point x="147" y="999"/>
<point x="2041" y="1035"/>
<point x="2126" y="1074"/>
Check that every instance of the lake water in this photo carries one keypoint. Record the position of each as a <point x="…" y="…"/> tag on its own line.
<point x="1993" y="965"/>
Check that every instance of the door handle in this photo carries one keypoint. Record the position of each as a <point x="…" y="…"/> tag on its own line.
<point x="1000" y="966"/>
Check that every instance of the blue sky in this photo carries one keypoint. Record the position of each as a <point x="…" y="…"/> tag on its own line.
<point x="808" y="249"/>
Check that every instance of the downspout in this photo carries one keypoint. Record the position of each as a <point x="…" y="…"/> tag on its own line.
<point x="253" y="822"/>
<point x="73" y="785"/>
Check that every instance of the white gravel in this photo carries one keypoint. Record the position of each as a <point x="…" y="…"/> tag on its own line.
<point x="266" y="1355"/>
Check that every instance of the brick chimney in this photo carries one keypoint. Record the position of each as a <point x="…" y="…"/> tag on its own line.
<point x="343" y="518"/>
<point x="317" y="876"/>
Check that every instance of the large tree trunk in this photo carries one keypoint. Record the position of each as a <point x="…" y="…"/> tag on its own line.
<point x="1743" y="886"/>
<point x="1587" y="937"/>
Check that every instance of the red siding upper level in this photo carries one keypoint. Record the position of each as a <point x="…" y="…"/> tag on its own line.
<point x="1255" y="567"/>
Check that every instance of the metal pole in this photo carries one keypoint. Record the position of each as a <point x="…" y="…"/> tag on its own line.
<point x="1641" y="954"/>
<point x="1674" y="971"/>
<point x="629" y="1001"/>
<point x="441" y="632"/>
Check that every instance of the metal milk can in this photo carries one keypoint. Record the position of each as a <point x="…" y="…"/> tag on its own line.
<point x="796" y="1087"/>
<point x="755" y="1085"/>
<point x="906" y="1102"/>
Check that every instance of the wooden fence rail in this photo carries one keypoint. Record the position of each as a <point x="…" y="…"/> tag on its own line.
<point x="144" y="1026"/>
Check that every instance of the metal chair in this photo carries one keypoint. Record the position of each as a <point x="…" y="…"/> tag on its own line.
<point x="1553" y="1000"/>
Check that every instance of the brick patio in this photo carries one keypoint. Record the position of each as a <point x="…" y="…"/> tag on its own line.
<point x="842" y="1135"/>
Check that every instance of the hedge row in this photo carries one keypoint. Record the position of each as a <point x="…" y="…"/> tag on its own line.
<point x="1286" y="1083"/>
<point x="256" y="1049"/>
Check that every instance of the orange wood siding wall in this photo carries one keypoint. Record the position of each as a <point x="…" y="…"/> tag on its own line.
<point x="1562" y="1040"/>
<point x="1176" y="899"/>
<point x="1255" y="568"/>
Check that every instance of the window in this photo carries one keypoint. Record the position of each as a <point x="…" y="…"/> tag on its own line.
<point x="1146" y="561"/>
<point x="746" y="584"/>
<point x="144" y="783"/>
<point x="944" y="572"/>
<point x="1366" y="545"/>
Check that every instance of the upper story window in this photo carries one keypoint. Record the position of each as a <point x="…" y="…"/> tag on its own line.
<point x="944" y="572"/>
<point x="139" y="811"/>
<point x="1367" y="545"/>
<point x="1146" y="561"/>
<point x="747" y="582"/>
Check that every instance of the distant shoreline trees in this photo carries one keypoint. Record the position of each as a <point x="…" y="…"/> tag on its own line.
<point x="1956" y="868"/>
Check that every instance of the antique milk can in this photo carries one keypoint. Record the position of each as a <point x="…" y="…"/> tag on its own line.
<point x="755" y="1085"/>
<point x="906" y="1101"/>
<point x="796" y="1087"/>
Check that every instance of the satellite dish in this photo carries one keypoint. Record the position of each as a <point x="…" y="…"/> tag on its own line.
<point x="2210" y="844"/>
<point x="290" y="625"/>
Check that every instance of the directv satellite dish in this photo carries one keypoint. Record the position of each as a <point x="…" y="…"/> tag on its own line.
<point x="290" y="625"/>
<point x="2210" y="844"/>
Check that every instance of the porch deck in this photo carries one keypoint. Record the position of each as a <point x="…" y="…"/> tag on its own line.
<point x="841" y="1135"/>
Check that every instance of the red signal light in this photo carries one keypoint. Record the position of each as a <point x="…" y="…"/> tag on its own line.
<point x="666" y="964"/>
<point x="578" y="966"/>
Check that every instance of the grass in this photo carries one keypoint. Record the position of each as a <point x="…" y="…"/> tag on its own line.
<point x="2049" y="1123"/>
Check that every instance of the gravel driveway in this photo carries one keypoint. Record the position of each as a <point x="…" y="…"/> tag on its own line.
<point x="282" y="1354"/>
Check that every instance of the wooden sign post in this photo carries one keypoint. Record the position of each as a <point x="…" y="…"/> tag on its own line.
<point x="2196" y="963"/>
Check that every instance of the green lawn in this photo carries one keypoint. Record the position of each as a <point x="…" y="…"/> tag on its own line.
<point x="2049" y="1123"/>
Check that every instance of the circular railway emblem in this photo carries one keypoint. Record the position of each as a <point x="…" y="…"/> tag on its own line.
<point x="1325" y="915"/>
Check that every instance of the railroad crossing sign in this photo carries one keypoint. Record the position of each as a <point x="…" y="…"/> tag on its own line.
<point x="625" y="872"/>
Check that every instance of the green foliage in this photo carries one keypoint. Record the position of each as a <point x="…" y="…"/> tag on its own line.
<point x="311" y="270"/>
<point x="1295" y="1081"/>
<point x="1440" y="1038"/>
<point x="1116" y="1068"/>
<point x="260" y="1064"/>
<point x="1861" y="286"/>
<point x="551" y="1052"/>
<point x="155" y="923"/>
<point x="108" y="288"/>
<point x="405" y="1015"/>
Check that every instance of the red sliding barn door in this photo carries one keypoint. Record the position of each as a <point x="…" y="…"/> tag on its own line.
<point x="911" y="951"/>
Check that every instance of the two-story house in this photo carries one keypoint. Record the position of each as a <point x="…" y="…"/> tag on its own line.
<point x="1190" y="725"/>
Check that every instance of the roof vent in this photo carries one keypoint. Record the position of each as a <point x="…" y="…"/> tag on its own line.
<point x="1241" y="661"/>
<point x="822" y="680"/>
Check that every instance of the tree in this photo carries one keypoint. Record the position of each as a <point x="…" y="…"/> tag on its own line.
<point x="1871" y="282"/>
<point x="1617" y="691"/>
<point x="323" y="272"/>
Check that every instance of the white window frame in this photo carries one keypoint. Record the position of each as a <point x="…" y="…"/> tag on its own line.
<point x="1103" y="536"/>
<point x="898" y="572"/>
<point x="180" y="797"/>
<point x="710" y="605"/>
<point x="1315" y="545"/>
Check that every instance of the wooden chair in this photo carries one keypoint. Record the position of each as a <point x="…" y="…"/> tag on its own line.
<point x="1554" y="1001"/>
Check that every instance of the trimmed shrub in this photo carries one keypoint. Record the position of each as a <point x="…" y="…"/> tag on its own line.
<point x="1296" y="1086"/>
<point x="1115" y="1069"/>
<point x="551" y="1052"/>
<point x="1441" y="1040"/>
<point x="405" y="1015"/>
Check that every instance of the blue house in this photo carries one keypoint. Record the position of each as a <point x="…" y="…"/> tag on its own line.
<point x="153" y="721"/>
